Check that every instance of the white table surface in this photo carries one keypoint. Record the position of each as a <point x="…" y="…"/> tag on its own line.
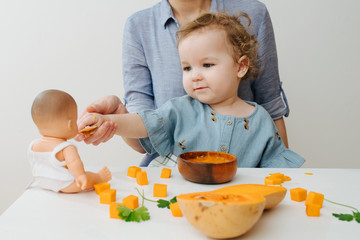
<point x="44" y="214"/>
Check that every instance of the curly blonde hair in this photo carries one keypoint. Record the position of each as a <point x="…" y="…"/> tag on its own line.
<point x="242" y="42"/>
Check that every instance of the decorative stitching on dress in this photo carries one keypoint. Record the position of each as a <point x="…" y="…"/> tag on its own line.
<point x="181" y="145"/>
<point x="246" y="126"/>
<point x="213" y="114"/>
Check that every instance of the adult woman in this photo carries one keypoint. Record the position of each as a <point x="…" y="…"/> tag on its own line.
<point x="151" y="66"/>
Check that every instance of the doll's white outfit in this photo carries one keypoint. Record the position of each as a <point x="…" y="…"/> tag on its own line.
<point x="50" y="173"/>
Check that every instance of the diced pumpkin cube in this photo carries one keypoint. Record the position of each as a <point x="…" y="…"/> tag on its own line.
<point x="114" y="213"/>
<point x="313" y="210"/>
<point x="141" y="178"/>
<point x="132" y="171"/>
<point x="287" y="178"/>
<point x="315" y="199"/>
<point x="101" y="187"/>
<point x="278" y="175"/>
<point x="298" y="194"/>
<point x="160" y="190"/>
<point x="131" y="202"/>
<point x="175" y="209"/>
<point x="165" y="173"/>
<point x="108" y="196"/>
<point x="272" y="181"/>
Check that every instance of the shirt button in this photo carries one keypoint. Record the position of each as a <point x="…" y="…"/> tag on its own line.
<point x="223" y="148"/>
<point x="229" y="122"/>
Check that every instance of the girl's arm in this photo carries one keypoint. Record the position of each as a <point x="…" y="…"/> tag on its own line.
<point x="129" y="125"/>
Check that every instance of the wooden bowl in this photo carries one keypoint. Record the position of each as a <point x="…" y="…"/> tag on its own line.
<point x="207" y="166"/>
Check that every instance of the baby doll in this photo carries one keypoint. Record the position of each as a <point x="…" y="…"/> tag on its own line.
<point x="55" y="162"/>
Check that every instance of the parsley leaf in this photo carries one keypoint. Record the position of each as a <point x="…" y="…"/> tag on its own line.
<point x="344" y="217"/>
<point x="357" y="216"/>
<point x="136" y="215"/>
<point x="141" y="213"/>
<point x="173" y="200"/>
<point x="163" y="203"/>
<point x="166" y="204"/>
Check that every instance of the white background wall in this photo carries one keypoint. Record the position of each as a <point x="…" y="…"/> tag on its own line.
<point x="75" y="45"/>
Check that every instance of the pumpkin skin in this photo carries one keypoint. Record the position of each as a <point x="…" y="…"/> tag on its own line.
<point x="229" y="211"/>
<point x="273" y="194"/>
<point x="221" y="215"/>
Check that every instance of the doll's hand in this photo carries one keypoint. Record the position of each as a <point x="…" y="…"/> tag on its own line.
<point x="106" y="105"/>
<point x="82" y="181"/>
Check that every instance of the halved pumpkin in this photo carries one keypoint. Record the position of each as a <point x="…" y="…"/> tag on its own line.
<point x="229" y="211"/>
<point x="221" y="215"/>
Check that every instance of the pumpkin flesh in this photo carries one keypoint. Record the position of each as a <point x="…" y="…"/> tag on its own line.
<point x="273" y="194"/>
<point x="221" y="215"/>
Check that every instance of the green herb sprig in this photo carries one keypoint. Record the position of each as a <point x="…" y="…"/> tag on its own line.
<point x="161" y="203"/>
<point x="136" y="215"/>
<point x="346" y="217"/>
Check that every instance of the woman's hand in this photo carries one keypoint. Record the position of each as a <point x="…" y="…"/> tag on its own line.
<point x="107" y="105"/>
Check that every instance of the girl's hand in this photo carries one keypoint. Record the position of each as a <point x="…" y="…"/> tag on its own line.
<point x="106" y="105"/>
<point x="106" y="129"/>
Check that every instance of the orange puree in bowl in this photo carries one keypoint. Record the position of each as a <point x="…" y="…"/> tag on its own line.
<point x="210" y="159"/>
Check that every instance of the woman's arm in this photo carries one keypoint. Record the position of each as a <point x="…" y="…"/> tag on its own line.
<point x="280" y="125"/>
<point x="267" y="87"/>
<point x="137" y="78"/>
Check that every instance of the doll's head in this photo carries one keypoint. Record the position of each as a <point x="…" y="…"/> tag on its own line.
<point x="54" y="112"/>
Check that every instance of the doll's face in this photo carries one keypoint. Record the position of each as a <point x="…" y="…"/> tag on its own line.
<point x="210" y="73"/>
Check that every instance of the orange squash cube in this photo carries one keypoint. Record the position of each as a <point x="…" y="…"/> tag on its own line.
<point x="287" y="178"/>
<point x="131" y="202"/>
<point x="313" y="210"/>
<point x="160" y="190"/>
<point x="108" y="196"/>
<point x="298" y="194"/>
<point x="101" y="187"/>
<point x="278" y="175"/>
<point x="114" y="213"/>
<point x="175" y="210"/>
<point x="315" y="199"/>
<point x="132" y="171"/>
<point x="165" y="173"/>
<point x="272" y="181"/>
<point x="141" y="178"/>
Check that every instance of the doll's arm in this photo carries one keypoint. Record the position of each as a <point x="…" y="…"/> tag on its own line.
<point x="75" y="166"/>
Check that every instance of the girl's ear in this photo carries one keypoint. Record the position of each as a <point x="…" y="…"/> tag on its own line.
<point x="243" y="65"/>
